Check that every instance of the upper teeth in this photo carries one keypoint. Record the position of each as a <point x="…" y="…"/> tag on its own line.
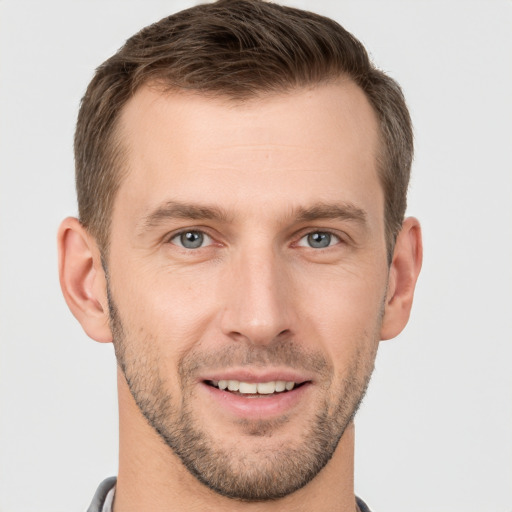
<point x="263" y="388"/>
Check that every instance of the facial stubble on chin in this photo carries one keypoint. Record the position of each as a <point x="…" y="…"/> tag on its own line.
<point x="260" y="473"/>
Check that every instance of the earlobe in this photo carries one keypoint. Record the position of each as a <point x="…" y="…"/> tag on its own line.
<point x="82" y="279"/>
<point x="403" y="274"/>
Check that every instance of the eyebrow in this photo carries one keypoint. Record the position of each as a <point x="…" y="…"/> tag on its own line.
<point x="177" y="210"/>
<point x="342" y="211"/>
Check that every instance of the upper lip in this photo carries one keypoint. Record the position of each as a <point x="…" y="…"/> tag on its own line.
<point x="258" y="375"/>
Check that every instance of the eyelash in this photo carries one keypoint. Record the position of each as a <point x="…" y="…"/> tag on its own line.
<point x="206" y="236"/>
<point x="330" y="234"/>
<point x="187" y="231"/>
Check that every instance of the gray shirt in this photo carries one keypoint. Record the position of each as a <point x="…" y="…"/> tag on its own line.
<point x="104" y="497"/>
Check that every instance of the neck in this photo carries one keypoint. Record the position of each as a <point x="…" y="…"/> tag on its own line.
<point x="152" y="478"/>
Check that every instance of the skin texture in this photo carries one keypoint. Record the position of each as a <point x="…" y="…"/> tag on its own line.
<point x="256" y="300"/>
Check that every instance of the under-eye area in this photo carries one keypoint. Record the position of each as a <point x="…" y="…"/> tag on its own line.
<point x="255" y="388"/>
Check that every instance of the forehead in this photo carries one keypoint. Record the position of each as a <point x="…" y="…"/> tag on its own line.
<point x="304" y="145"/>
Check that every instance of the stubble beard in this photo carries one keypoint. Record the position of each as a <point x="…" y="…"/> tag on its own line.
<point x="260" y="474"/>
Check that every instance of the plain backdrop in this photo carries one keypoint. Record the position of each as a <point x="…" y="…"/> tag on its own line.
<point x="435" y="431"/>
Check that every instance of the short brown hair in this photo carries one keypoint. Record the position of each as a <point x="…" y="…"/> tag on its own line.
<point x="237" y="49"/>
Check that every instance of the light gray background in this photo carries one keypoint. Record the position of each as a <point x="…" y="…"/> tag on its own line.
<point x="435" y="432"/>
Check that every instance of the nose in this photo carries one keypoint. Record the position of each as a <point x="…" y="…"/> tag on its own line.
<point x="259" y="305"/>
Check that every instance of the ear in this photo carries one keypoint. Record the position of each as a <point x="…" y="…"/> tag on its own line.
<point x="82" y="279"/>
<point x="403" y="274"/>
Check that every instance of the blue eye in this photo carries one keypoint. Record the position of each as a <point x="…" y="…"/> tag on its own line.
<point x="191" y="239"/>
<point x="318" y="240"/>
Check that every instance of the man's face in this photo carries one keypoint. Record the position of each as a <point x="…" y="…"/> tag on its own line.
<point x="248" y="251"/>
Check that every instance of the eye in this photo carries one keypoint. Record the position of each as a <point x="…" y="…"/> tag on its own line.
<point x="191" y="239"/>
<point x="319" y="240"/>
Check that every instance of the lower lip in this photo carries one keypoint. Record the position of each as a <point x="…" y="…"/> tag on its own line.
<point x="259" y="406"/>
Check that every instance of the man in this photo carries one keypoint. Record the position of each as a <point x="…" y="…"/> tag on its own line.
<point x="242" y="172"/>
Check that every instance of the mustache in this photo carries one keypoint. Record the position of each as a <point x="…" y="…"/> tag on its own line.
<point x="245" y="354"/>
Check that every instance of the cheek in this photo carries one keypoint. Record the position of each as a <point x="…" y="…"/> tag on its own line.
<point x="172" y="310"/>
<point x="336" y="309"/>
<point x="345" y="314"/>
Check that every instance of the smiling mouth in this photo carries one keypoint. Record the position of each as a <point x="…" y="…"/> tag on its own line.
<point x="254" y="388"/>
